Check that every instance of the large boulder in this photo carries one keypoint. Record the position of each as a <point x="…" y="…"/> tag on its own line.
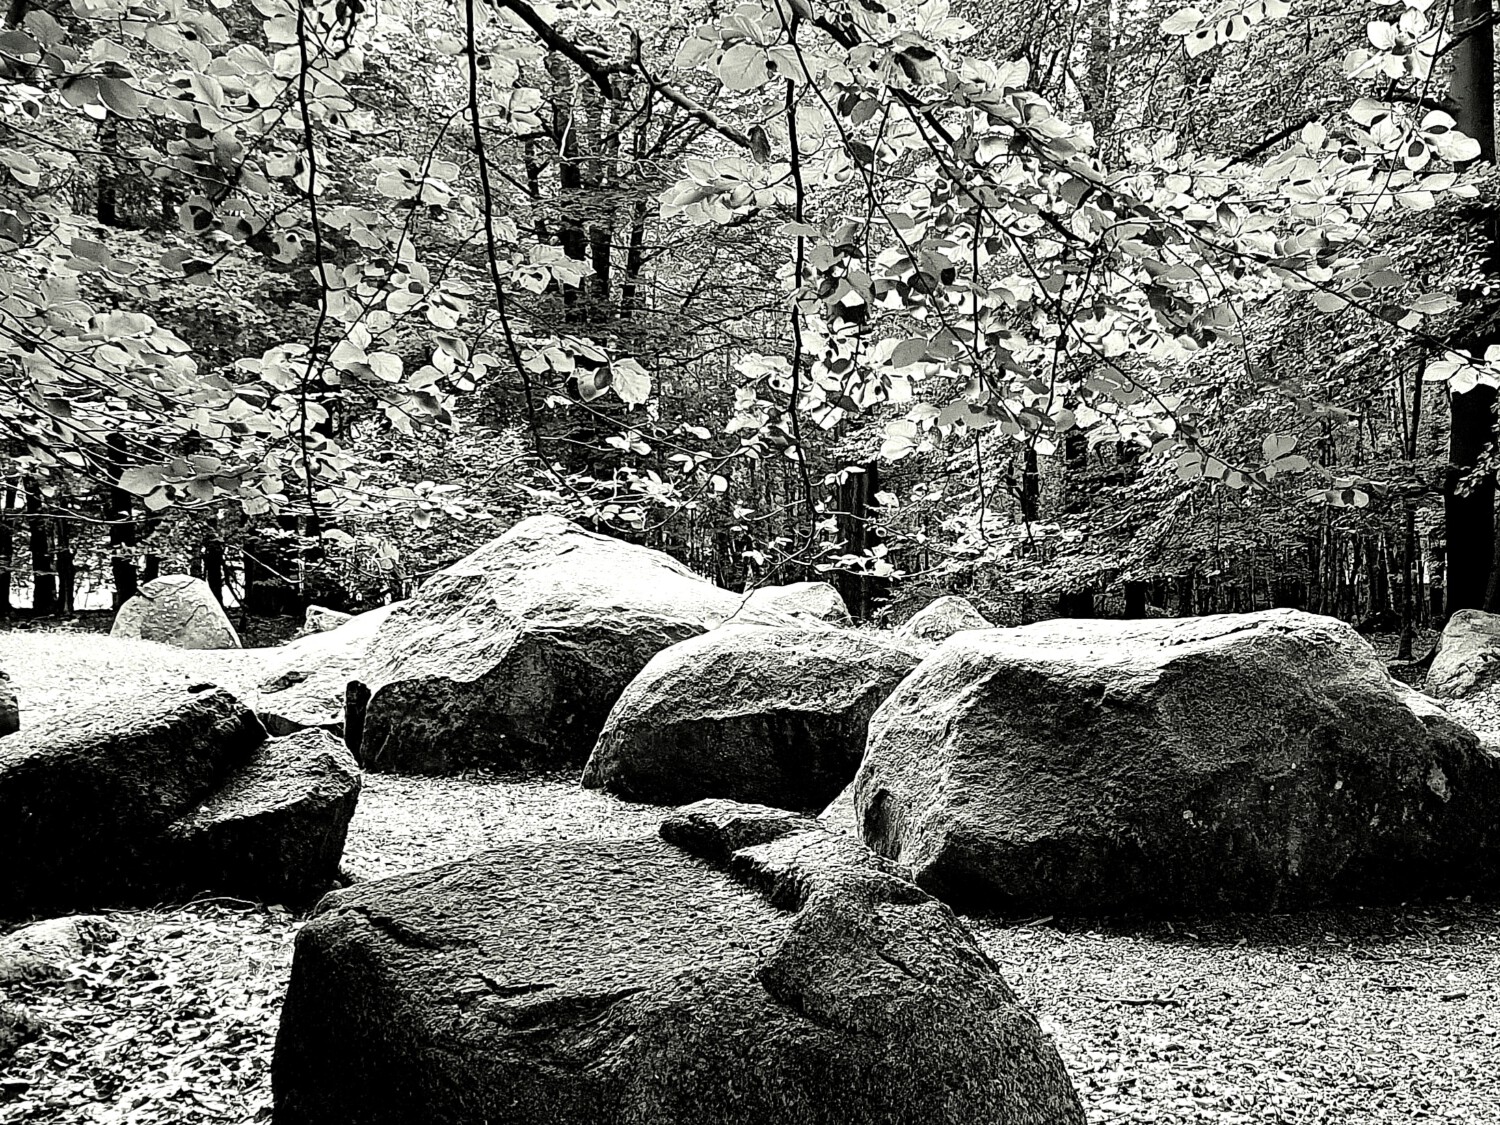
<point x="940" y="619"/>
<point x="776" y="716"/>
<point x="10" y="708"/>
<point x="1468" y="655"/>
<point x="626" y="982"/>
<point x="276" y="830"/>
<point x="305" y="681"/>
<point x="84" y="797"/>
<point x="179" y="610"/>
<point x="515" y="655"/>
<point x="815" y="600"/>
<point x="1260" y="761"/>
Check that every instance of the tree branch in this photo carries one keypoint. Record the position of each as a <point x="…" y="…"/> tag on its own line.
<point x="555" y="40"/>
<point x="683" y="102"/>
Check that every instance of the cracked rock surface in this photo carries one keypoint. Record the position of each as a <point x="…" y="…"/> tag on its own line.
<point x="630" y="981"/>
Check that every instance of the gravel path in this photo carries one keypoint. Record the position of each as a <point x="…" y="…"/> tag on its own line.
<point x="1319" y="1018"/>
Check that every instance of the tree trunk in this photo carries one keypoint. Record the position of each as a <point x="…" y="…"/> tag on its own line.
<point x="1408" y="576"/>
<point x="43" y="574"/>
<point x="570" y="227"/>
<point x="213" y="562"/>
<point x="1470" y="517"/>
<point x="858" y="534"/>
<point x="1078" y="603"/>
<point x="7" y="548"/>
<point x="119" y="506"/>
<point x="67" y="571"/>
<point x="1031" y="486"/>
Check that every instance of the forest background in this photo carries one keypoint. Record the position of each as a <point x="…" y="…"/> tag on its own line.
<point x="1102" y="307"/>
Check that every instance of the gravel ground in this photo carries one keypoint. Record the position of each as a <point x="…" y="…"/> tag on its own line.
<point x="1346" y="1017"/>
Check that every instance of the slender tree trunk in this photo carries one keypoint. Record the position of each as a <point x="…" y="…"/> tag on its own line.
<point x="1469" y="516"/>
<point x="119" y="506"/>
<point x="1031" y="485"/>
<point x="635" y="258"/>
<point x="106" y="190"/>
<point x="213" y="560"/>
<point x="43" y="574"/>
<point x="570" y="228"/>
<point x="67" y="572"/>
<point x="7" y="547"/>
<point x="858" y="535"/>
<point x="1408" y="576"/>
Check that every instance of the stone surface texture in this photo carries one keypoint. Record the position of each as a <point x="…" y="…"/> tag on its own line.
<point x="178" y="610"/>
<point x="1259" y="762"/>
<point x="752" y="713"/>
<point x="515" y="655"/>
<point x="626" y="982"/>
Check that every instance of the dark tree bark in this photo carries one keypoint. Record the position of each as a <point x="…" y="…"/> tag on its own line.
<point x="67" y="571"/>
<point x="1470" y="516"/>
<point x="43" y="561"/>
<point x="1076" y="603"/>
<point x="213" y="564"/>
<point x="7" y="547"/>
<point x="1031" y="486"/>
<point x="119" y="510"/>
<point x="858" y="533"/>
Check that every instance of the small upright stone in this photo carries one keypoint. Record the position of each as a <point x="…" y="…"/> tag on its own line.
<point x="1468" y="656"/>
<point x="816" y="600"/>
<point x="179" y="610"/>
<point x="935" y="622"/>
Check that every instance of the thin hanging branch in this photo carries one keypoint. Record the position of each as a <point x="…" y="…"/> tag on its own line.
<point x="492" y="246"/>
<point x="799" y="267"/>
<point x="316" y="222"/>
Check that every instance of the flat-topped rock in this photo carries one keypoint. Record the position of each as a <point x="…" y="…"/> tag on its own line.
<point x="818" y="601"/>
<point x="626" y="982"/>
<point x="516" y="654"/>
